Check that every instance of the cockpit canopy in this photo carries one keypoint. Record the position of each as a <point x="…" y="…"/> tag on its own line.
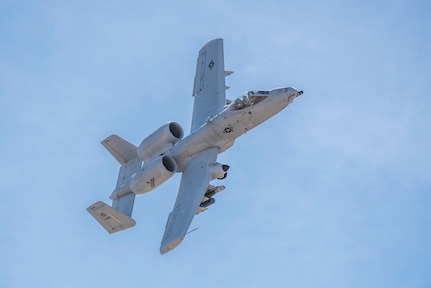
<point x="248" y="99"/>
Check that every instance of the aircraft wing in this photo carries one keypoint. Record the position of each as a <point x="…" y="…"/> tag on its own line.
<point x="194" y="184"/>
<point x="209" y="86"/>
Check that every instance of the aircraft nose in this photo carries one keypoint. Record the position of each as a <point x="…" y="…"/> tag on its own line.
<point x="286" y="93"/>
<point x="291" y="90"/>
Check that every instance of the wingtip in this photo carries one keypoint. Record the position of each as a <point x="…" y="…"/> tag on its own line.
<point x="211" y="42"/>
<point x="166" y="247"/>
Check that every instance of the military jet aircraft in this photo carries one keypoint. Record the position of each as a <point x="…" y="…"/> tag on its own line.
<point x="216" y="123"/>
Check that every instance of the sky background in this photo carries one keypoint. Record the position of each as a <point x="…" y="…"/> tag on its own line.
<point x="335" y="191"/>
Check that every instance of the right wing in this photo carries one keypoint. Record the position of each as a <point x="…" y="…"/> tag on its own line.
<point x="194" y="184"/>
<point x="209" y="87"/>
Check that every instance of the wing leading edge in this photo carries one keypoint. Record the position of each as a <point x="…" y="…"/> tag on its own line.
<point x="194" y="184"/>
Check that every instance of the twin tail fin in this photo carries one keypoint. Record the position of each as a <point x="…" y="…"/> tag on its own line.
<point x="118" y="217"/>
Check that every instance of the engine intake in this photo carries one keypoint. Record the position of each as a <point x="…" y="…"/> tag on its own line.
<point x="160" y="141"/>
<point x="169" y="164"/>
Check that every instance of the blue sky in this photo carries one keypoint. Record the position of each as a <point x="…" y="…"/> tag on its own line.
<point x="332" y="192"/>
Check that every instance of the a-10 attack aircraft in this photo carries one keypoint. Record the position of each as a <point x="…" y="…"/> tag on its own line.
<point x="216" y="123"/>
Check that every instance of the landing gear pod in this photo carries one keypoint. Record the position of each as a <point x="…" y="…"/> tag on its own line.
<point x="219" y="171"/>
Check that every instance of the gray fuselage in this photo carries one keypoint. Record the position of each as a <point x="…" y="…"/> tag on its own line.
<point x="235" y="119"/>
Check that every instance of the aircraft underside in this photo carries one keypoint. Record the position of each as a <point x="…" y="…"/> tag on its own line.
<point x="215" y="125"/>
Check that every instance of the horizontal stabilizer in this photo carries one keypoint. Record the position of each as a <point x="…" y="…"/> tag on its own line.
<point x="122" y="150"/>
<point x="111" y="219"/>
<point x="227" y="73"/>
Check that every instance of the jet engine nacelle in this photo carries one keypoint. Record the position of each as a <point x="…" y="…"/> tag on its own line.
<point x="160" y="141"/>
<point x="153" y="174"/>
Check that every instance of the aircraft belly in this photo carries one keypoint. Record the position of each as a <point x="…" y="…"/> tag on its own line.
<point x="220" y="132"/>
<point x="237" y="123"/>
<point x="203" y="139"/>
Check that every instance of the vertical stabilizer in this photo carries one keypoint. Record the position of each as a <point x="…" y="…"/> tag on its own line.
<point x="112" y="220"/>
<point x="118" y="217"/>
<point x="124" y="204"/>
<point x="122" y="150"/>
<point x="125" y="153"/>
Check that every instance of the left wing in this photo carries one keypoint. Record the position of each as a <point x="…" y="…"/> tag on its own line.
<point x="209" y="87"/>
<point x="194" y="184"/>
